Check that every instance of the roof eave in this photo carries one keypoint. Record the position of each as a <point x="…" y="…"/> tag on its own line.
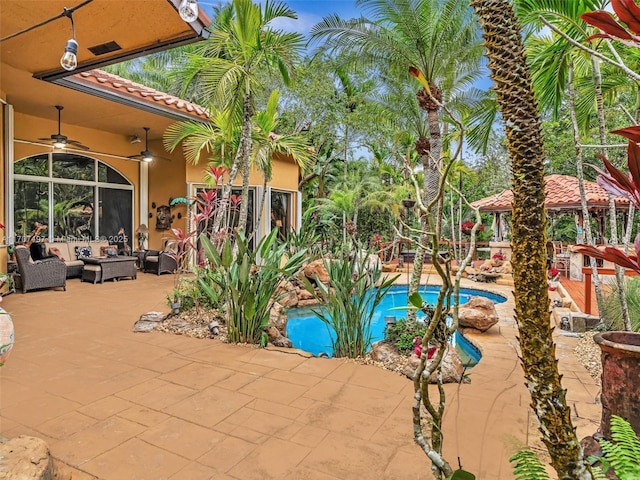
<point x="78" y="84"/>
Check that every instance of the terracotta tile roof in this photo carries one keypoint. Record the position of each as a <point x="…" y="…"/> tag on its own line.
<point x="141" y="93"/>
<point x="562" y="194"/>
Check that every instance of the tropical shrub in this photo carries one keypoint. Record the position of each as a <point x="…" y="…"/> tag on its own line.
<point x="622" y="454"/>
<point x="402" y="334"/>
<point x="349" y="302"/>
<point x="248" y="281"/>
<point x="611" y="309"/>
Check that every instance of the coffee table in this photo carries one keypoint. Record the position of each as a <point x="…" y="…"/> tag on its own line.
<point x="104" y="268"/>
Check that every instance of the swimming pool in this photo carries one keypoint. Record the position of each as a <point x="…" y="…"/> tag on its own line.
<point x="307" y="332"/>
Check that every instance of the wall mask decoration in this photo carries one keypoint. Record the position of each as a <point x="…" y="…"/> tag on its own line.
<point x="163" y="217"/>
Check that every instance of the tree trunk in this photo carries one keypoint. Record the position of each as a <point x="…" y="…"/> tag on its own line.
<point x="586" y="224"/>
<point x="431" y="183"/>
<point x="245" y="148"/>
<point x="613" y="224"/>
<point x="514" y="93"/>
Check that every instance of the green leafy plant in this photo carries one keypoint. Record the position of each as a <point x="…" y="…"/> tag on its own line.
<point x="622" y="454"/>
<point x="349" y="302"/>
<point x="402" y="334"/>
<point x="249" y="281"/>
<point x="611" y="309"/>
<point x="527" y="466"/>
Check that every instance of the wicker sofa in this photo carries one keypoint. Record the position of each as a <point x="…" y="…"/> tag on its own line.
<point x="34" y="275"/>
<point x="66" y="251"/>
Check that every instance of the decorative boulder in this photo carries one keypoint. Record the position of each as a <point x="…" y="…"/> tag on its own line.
<point x="382" y="352"/>
<point x="26" y="458"/>
<point x="148" y="321"/>
<point x="479" y="313"/>
<point x="452" y="368"/>
<point x="506" y="267"/>
<point x="316" y="269"/>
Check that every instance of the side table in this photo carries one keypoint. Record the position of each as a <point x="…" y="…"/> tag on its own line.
<point x="139" y="254"/>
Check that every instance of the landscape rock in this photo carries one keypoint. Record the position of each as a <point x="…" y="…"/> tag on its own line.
<point x="382" y="352"/>
<point x="148" y="321"/>
<point x="452" y="368"/>
<point x="479" y="313"/>
<point x="304" y="294"/>
<point x="26" y="458"/>
<point x="308" y="303"/>
<point x="317" y="270"/>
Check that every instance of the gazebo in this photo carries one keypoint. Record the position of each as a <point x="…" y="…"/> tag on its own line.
<point x="562" y="197"/>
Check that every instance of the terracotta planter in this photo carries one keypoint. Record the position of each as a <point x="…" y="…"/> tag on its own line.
<point x="620" y="378"/>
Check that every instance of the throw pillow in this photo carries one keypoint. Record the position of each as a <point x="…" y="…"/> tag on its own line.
<point x="56" y="251"/>
<point x="111" y="252"/>
<point x="83" y="252"/>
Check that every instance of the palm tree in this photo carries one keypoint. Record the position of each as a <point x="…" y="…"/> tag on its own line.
<point x="558" y="65"/>
<point x="227" y="69"/>
<point x="436" y="38"/>
<point x="514" y="93"/>
<point x="267" y="144"/>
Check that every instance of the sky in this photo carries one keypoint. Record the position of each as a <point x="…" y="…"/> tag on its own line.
<point x="309" y="12"/>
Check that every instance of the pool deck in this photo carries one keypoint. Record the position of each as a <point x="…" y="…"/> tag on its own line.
<point x="117" y="405"/>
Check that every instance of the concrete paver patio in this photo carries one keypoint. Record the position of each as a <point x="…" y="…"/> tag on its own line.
<point x="118" y="405"/>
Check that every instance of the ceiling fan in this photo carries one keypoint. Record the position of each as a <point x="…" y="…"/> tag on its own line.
<point x="146" y="155"/>
<point x="61" y="141"/>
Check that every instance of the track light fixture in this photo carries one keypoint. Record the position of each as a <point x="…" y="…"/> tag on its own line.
<point x="188" y="10"/>
<point x="69" y="60"/>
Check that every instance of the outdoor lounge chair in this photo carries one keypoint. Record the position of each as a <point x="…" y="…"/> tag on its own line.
<point x="160" y="262"/>
<point x="47" y="273"/>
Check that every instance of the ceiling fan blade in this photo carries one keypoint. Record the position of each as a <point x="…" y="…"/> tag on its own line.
<point x="45" y="139"/>
<point x="77" y="144"/>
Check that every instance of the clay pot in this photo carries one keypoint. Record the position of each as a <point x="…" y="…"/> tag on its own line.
<point x="620" y="378"/>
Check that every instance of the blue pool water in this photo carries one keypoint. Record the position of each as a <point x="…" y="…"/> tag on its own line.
<point x="307" y="332"/>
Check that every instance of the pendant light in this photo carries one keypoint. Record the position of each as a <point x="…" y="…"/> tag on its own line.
<point x="69" y="60"/>
<point x="188" y="10"/>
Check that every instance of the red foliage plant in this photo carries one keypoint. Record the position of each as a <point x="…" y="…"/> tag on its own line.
<point x="619" y="183"/>
<point x="468" y="225"/>
<point x="627" y="30"/>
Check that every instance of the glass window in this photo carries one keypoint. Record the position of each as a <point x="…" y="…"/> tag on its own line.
<point x="115" y="216"/>
<point x="106" y="174"/>
<point x="72" y="211"/>
<point x="74" y="206"/>
<point x="76" y="167"/>
<point x="37" y="166"/>
<point x="281" y="213"/>
<point x="31" y="205"/>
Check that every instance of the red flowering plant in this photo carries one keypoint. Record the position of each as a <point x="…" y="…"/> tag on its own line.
<point x="467" y="226"/>
<point x="619" y="183"/>
<point x="498" y="256"/>
<point x="553" y="273"/>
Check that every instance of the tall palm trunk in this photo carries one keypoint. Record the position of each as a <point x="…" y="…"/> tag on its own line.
<point x="586" y="224"/>
<point x="245" y="147"/>
<point x="430" y="157"/>
<point x="613" y="224"/>
<point x="518" y="106"/>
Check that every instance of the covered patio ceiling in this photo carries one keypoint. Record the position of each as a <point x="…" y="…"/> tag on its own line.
<point x="562" y="196"/>
<point x="30" y="62"/>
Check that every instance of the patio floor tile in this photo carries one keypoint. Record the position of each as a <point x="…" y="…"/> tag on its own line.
<point x="181" y="437"/>
<point x="123" y="405"/>
<point x="134" y="460"/>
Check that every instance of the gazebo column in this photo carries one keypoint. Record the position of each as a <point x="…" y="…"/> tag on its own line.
<point x="579" y="227"/>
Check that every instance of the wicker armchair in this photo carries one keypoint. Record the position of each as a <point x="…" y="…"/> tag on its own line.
<point x="48" y="273"/>
<point x="159" y="262"/>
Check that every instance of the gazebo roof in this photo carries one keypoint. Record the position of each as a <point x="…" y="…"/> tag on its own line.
<point x="563" y="195"/>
